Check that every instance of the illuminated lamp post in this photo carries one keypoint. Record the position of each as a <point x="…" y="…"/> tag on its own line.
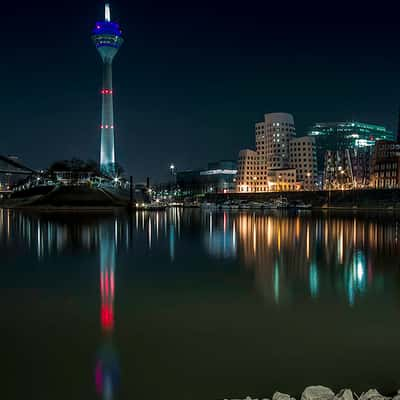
<point x="255" y="183"/>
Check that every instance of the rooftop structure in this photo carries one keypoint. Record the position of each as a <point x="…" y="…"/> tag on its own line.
<point x="219" y="177"/>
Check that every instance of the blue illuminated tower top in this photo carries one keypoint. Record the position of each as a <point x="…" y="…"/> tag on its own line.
<point x="107" y="36"/>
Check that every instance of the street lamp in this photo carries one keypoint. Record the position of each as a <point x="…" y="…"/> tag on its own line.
<point x="342" y="180"/>
<point x="254" y="179"/>
<point x="173" y="182"/>
<point x="308" y="180"/>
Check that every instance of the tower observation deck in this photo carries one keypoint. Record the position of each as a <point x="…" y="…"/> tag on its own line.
<point x="107" y="37"/>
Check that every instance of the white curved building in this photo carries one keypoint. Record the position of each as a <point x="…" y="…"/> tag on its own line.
<point x="246" y="170"/>
<point x="282" y="162"/>
<point x="279" y="131"/>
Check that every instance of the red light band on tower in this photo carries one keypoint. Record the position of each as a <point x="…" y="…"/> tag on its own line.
<point x="106" y="91"/>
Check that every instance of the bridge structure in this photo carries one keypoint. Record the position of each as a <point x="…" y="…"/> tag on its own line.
<point x="12" y="170"/>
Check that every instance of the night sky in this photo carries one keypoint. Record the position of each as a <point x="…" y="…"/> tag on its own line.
<point x="192" y="77"/>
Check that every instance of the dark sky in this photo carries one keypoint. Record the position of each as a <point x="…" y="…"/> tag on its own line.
<point x="192" y="77"/>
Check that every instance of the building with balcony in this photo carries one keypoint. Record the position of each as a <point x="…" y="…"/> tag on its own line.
<point x="385" y="169"/>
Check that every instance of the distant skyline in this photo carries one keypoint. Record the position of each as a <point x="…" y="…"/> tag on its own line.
<point x="193" y="77"/>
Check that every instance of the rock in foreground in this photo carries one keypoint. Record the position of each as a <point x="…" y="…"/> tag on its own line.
<point x="281" y="396"/>
<point x="317" y="393"/>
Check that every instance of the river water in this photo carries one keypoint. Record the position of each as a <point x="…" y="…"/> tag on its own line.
<point x="191" y="304"/>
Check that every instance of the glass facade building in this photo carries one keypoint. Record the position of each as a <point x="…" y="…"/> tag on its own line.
<point x="335" y="136"/>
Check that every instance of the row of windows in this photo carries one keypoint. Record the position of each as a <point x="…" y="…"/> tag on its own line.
<point x="299" y="144"/>
<point x="247" y="158"/>
<point x="284" y="174"/>
<point x="386" y="166"/>
<point x="300" y="170"/>
<point x="387" y="173"/>
<point x="387" y="183"/>
<point x="278" y="124"/>
<point x="271" y="153"/>
<point x="310" y="160"/>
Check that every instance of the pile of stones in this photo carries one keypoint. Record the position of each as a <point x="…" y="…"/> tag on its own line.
<point x="324" y="393"/>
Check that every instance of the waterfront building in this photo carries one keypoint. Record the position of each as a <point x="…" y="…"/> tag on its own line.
<point x="278" y="152"/>
<point x="345" y="135"/>
<point x="338" y="172"/>
<point x="385" y="168"/>
<point x="73" y="177"/>
<point x="272" y="139"/>
<point x="361" y="161"/>
<point x="282" y="180"/>
<point x="303" y="159"/>
<point x="246" y="171"/>
<point x="107" y="37"/>
<point x="347" y="169"/>
<point x="219" y="177"/>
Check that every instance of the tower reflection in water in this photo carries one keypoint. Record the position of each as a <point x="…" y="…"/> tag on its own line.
<point x="107" y="374"/>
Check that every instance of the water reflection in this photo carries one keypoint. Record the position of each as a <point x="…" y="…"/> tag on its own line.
<point x="107" y="366"/>
<point x="290" y="256"/>
<point x="220" y="236"/>
<point x="288" y="253"/>
<point x="182" y="277"/>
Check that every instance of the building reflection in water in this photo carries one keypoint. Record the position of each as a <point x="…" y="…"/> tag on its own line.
<point x="220" y="235"/>
<point x="290" y="256"/>
<point x="294" y="256"/>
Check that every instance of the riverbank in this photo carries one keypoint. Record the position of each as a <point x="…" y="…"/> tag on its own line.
<point x="66" y="198"/>
<point x="382" y="199"/>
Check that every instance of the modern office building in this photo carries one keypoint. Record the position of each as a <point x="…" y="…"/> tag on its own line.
<point x="361" y="160"/>
<point x="385" y="170"/>
<point x="345" y="135"/>
<point x="107" y="37"/>
<point x="347" y="169"/>
<point x="281" y="161"/>
<point x="219" y="177"/>
<point x="338" y="172"/>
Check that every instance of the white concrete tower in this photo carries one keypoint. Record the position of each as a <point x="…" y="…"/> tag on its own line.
<point x="107" y="37"/>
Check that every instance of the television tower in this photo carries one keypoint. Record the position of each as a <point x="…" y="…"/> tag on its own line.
<point x="107" y="37"/>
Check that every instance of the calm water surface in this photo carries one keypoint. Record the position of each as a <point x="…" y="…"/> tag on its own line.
<point x="197" y="305"/>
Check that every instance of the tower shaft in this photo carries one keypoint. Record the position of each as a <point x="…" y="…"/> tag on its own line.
<point x="107" y="150"/>
<point x="107" y="37"/>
